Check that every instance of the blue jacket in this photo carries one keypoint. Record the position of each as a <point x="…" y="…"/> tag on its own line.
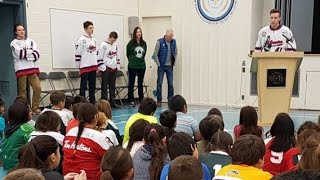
<point x="163" y="51"/>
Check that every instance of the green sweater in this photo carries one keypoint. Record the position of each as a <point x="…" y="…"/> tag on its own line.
<point x="12" y="145"/>
<point x="136" y="54"/>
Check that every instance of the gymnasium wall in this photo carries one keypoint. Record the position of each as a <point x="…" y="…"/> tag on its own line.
<point x="209" y="66"/>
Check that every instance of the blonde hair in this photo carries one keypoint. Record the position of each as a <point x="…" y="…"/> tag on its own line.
<point x="104" y="106"/>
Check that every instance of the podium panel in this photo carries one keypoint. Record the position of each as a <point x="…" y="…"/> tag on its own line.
<point x="276" y="72"/>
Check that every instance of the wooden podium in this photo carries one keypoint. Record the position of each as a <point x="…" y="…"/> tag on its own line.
<point x="275" y="76"/>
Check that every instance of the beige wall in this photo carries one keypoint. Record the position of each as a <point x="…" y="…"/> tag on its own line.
<point x="208" y="68"/>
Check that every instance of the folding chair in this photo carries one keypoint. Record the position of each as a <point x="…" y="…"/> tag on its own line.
<point x="55" y="77"/>
<point x="46" y="86"/>
<point x="120" y="88"/>
<point x="74" y="79"/>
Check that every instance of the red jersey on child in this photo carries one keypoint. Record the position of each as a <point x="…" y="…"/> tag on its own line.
<point x="91" y="147"/>
<point x="277" y="162"/>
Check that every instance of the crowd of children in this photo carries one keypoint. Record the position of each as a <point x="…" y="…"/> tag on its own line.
<point x="78" y="140"/>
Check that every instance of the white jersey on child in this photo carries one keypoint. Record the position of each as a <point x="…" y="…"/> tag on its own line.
<point x="275" y="40"/>
<point x="68" y="113"/>
<point x="110" y="136"/>
<point x="108" y="56"/>
<point x="64" y="117"/>
<point x="25" y="54"/>
<point x="86" y="54"/>
<point x="56" y="135"/>
<point x="135" y="147"/>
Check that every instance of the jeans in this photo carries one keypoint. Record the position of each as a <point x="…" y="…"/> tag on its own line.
<point x="91" y="77"/>
<point x="132" y="78"/>
<point x="169" y="72"/>
<point x="34" y="81"/>
<point x="109" y="82"/>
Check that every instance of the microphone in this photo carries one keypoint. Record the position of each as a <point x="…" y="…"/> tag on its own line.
<point x="267" y="44"/>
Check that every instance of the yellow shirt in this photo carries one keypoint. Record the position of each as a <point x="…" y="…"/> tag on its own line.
<point x="237" y="172"/>
<point x="134" y="118"/>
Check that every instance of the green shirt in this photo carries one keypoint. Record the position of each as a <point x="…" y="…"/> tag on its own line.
<point x="12" y="145"/>
<point x="134" y="118"/>
<point x="136" y="55"/>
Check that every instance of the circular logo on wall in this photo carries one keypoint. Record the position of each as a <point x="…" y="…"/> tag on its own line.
<point x="215" y="11"/>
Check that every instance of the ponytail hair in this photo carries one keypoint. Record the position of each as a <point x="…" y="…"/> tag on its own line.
<point x="86" y="114"/>
<point x="116" y="164"/>
<point x="222" y="141"/>
<point x="153" y="135"/>
<point x="35" y="153"/>
<point x="310" y="159"/>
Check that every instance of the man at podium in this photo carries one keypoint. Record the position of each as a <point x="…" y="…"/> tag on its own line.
<point x="275" y="37"/>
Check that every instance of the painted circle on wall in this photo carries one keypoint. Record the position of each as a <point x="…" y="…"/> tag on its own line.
<point x="215" y="11"/>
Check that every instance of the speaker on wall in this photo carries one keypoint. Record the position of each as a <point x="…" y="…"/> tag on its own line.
<point x="133" y="22"/>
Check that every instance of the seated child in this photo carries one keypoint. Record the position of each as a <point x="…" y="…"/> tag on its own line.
<point x="185" y="168"/>
<point x="247" y="160"/>
<point x="217" y="152"/>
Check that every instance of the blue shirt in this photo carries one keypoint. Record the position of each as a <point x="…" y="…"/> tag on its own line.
<point x="165" y="172"/>
<point x="186" y="124"/>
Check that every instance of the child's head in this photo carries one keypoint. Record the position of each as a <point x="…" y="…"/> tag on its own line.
<point x="21" y="99"/>
<point x="215" y="111"/>
<point x="220" y="141"/>
<point x="40" y="152"/>
<point x="185" y="168"/>
<point x="210" y="125"/>
<point x="168" y="119"/>
<point x="248" y="150"/>
<point x="310" y="159"/>
<point x="102" y="121"/>
<point x="104" y="106"/>
<point x="304" y="136"/>
<point x="58" y="99"/>
<point x="147" y="107"/>
<point x="24" y="174"/>
<point x="282" y="130"/>
<point x="136" y="132"/>
<point x="48" y="121"/>
<point x="116" y="164"/>
<point x="178" y="104"/>
<point x="249" y="121"/>
<point x="68" y="103"/>
<point x="87" y="115"/>
<point x="181" y="143"/>
<point x="79" y="99"/>
<point x="308" y="125"/>
<point x="154" y="136"/>
<point x="19" y="113"/>
<point x="1" y="106"/>
<point x="75" y="108"/>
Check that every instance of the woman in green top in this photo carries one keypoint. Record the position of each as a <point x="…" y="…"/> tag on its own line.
<point x="136" y="52"/>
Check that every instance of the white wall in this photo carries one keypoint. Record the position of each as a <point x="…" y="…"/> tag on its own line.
<point x="208" y="69"/>
<point x="38" y="19"/>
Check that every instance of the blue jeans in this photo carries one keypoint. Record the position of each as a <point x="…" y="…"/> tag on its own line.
<point x="169" y="72"/>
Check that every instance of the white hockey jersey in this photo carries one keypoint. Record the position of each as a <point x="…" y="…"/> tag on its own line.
<point x="86" y="54"/>
<point x="25" y="55"/>
<point x="275" y="40"/>
<point x="108" y="56"/>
